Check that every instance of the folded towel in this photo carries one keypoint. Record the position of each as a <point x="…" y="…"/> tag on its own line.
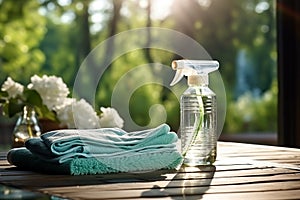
<point x="104" y="150"/>
<point x="63" y="145"/>
<point x="24" y="159"/>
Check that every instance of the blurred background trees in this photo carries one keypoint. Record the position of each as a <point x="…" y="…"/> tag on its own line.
<point x="54" y="37"/>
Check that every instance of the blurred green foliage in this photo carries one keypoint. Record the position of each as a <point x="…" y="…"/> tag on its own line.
<point x="54" y="37"/>
<point x="253" y="114"/>
<point x="21" y="30"/>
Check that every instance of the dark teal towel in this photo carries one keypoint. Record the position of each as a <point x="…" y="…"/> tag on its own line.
<point x="24" y="159"/>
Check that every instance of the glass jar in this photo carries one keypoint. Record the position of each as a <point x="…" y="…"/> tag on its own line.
<point x="26" y="127"/>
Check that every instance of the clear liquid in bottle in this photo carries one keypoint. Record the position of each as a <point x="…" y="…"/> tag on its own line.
<point x="199" y="126"/>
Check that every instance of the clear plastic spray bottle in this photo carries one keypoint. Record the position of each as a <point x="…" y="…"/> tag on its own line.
<point x="198" y="112"/>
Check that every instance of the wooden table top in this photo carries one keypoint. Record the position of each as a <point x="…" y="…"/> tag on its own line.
<point x="242" y="171"/>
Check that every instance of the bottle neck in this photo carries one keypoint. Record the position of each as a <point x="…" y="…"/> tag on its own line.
<point x="198" y="80"/>
<point x="29" y="114"/>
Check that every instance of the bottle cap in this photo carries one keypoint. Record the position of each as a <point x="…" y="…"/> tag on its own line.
<point x="198" y="79"/>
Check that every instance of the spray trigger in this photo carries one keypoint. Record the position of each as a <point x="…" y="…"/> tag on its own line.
<point x="195" y="70"/>
<point x="178" y="76"/>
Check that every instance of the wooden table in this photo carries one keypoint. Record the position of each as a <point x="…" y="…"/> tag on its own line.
<point x="242" y="171"/>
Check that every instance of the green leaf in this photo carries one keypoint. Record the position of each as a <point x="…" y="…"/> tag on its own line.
<point x="45" y="113"/>
<point x="14" y="107"/>
<point x="2" y="101"/>
<point x="3" y="97"/>
<point x="3" y="94"/>
<point x="5" y="109"/>
<point x="32" y="97"/>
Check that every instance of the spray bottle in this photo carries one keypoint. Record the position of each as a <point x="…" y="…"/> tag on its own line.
<point x="198" y="112"/>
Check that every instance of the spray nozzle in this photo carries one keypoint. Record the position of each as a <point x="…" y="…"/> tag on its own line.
<point x="196" y="70"/>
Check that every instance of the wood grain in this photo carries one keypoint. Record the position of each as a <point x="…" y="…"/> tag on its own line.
<point x="242" y="171"/>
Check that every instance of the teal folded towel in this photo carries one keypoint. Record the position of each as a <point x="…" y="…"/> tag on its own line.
<point x="24" y="159"/>
<point x="99" y="151"/>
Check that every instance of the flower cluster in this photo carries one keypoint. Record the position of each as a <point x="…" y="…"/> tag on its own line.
<point x="52" y="90"/>
<point x="12" y="88"/>
<point x="49" y="96"/>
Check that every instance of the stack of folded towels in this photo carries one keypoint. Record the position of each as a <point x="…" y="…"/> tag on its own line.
<point x="99" y="151"/>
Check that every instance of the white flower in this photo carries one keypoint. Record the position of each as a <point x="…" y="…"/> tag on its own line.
<point x="78" y="114"/>
<point x="52" y="90"/>
<point x="12" y="88"/>
<point x="110" y="118"/>
<point x="65" y="102"/>
<point x="65" y="114"/>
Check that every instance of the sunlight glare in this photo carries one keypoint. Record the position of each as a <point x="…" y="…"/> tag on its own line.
<point x="204" y="3"/>
<point x="67" y="17"/>
<point x="262" y="6"/>
<point x="161" y="8"/>
<point x="64" y="2"/>
<point x="100" y="6"/>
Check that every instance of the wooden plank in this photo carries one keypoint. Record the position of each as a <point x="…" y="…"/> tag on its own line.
<point x="53" y="180"/>
<point x="174" y="184"/>
<point x="252" y="190"/>
<point x="288" y="194"/>
<point x="191" y="176"/>
<point x="4" y="163"/>
<point x="229" y="146"/>
<point x="241" y="172"/>
<point x="23" y="178"/>
<point x="107" y="189"/>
